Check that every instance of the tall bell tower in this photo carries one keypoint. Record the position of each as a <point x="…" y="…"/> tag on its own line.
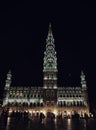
<point x="7" y="88"/>
<point x="84" y="91"/>
<point x="50" y="62"/>
<point x="50" y="70"/>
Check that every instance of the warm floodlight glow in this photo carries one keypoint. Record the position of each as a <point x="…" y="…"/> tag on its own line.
<point x="55" y="112"/>
<point x="68" y="113"/>
<point x="30" y="111"/>
<point x="44" y="112"/>
<point x="33" y="112"/>
<point x="10" y="111"/>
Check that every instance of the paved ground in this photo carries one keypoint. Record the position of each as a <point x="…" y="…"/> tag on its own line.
<point x="35" y="124"/>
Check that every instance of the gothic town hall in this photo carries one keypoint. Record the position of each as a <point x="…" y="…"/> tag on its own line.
<point x="50" y="97"/>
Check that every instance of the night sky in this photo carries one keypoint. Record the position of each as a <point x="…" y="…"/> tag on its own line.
<point x="23" y="32"/>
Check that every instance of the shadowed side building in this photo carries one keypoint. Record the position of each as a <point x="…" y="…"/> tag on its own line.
<point x="50" y="97"/>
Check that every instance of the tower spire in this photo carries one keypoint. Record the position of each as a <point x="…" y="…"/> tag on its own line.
<point x="50" y="39"/>
<point x="50" y="29"/>
<point x="7" y="88"/>
<point x="8" y="80"/>
<point x="83" y="80"/>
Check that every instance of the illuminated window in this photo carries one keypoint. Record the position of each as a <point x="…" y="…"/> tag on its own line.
<point x="10" y="92"/>
<point x="21" y="94"/>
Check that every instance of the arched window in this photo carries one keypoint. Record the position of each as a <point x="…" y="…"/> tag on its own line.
<point x="58" y="103"/>
<point x="39" y="96"/>
<point x="34" y="104"/>
<point x="76" y="95"/>
<point x="31" y="95"/>
<point x="34" y="95"/>
<point x="16" y="104"/>
<point x="41" y="104"/>
<point x="26" y="104"/>
<point x="31" y="104"/>
<point x="61" y="103"/>
<point x="60" y="95"/>
<point x="23" y="104"/>
<point x="77" y="103"/>
<point x="74" y="104"/>
<point x="38" y="104"/>
<point x="73" y="95"/>
<point x="80" y="96"/>
<point x="8" y="103"/>
<point x="27" y="95"/>
<point x="64" y="103"/>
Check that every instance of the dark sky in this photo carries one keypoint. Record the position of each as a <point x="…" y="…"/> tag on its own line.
<point x="23" y="32"/>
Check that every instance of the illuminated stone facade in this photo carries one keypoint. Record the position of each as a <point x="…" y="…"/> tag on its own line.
<point x="49" y="97"/>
